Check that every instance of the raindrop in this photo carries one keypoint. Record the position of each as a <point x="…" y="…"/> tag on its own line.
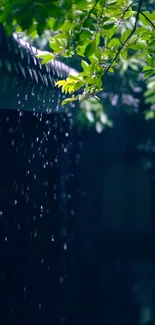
<point x="65" y="246"/>
<point x="35" y="233"/>
<point x="6" y="238"/>
<point x="42" y="261"/>
<point x="52" y="237"/>
<point x="15" y="202"/>
<point x="61" y="279"/>
<point x="18" y="226"/>
<point x="63" y="319"/>
<point x="65" y="149"/>
<point x="11" y="130"/>
<point x="66" y="134"/>
<point x="40" y="306"/>
<point x="13" y="142"/>
<point x="1" y="214"/>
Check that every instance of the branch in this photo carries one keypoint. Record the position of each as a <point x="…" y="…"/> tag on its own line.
<point x="128" y="8"/>
<point x="86" y="18"/>
<point x="120" y="49"/>
<point x="148" y="19"/>
<point x="74" y="40"/>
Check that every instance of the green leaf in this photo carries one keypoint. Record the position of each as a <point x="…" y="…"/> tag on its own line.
<point x="40" y="28"/>
<point x="54" y="10"/>
<point x="149" y="115"/>
<point x="153" y="15"/>
<point x="84" y="64"/>
<point x="152" y="44"/>
<point x="67" y="100"/>
<point x="114" y="43"/>
<point x="125" y="35"/>
<point x="111" y="70"/>
<point x="148" y="74"/>
<point x="50" y="22"/>
<point x="147" y="67"/>
<point x="108" y="25"/>
<point x="90" y="49"/>
<point x="58" y="23"/>
<point x="144" y="20"/>
<point x="67" y="4"/>
<point x="46" y="57"/>
<point x="150" y="61"/>
<point x="86" y="34"/>
<point x="97" y="39"/>
<point x="78" y="85"/>
<point x="129" y="14"/>
<point x="124" y="54"/>
<point x="89" y="22"/>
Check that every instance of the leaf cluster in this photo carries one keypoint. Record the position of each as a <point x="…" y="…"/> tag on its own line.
<point x="107" y="35"/>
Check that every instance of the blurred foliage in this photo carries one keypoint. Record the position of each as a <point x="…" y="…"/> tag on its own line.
<point x="110" y="42"/>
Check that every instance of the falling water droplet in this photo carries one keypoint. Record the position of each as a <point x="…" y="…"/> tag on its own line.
<point x="61" y="279"/>
<point x="35" y="233"/>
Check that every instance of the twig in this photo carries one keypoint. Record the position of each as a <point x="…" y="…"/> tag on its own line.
<point x="123" y="14"/>
<point x="86" y="18"/>
<point x="72" y="41"/>
<point x="120" y="49"/>
<point x="147" y="19"/>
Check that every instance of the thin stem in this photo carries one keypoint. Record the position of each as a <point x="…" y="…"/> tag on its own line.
<point x="132" y="32"/>
<point x="148" y="19"/>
